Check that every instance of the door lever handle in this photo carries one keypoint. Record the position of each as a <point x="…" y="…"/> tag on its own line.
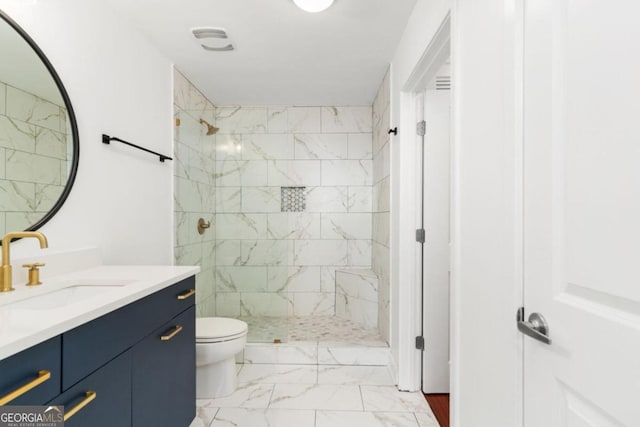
<point x="536" y="327"/>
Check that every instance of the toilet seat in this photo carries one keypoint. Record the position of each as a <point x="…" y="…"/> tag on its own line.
<point x="218" y="329"/>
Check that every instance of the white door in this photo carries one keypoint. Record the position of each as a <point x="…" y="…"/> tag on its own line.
<point x="435" y="358"/>
<point x="582" y="211"/>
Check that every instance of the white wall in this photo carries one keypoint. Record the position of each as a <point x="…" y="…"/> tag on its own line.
<point x="120" y="85"/>
<point x="487" y="227"/>
<point x="422" y="26"/>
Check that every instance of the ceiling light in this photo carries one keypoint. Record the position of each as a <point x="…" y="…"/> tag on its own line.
<point x="313" y="5"/>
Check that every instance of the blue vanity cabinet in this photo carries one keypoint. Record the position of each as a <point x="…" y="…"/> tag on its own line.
<point x="163" y="375"/>
<point x="103" y="399"/>
<point x="36" y="371"/>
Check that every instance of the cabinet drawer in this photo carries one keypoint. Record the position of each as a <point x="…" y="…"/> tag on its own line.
<point x="164" y="377"/>
<point x="29" y="369"/>
<point x="93" y="344"/>
<point x="111" y="405"/>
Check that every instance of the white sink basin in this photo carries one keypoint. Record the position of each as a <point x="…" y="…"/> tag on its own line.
<point x="62" y="297"/>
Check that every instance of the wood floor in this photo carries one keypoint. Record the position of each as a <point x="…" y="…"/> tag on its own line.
<point x="440" y="406"/>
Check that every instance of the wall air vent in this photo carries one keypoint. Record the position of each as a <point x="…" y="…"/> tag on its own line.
<point x="213" y="39"/>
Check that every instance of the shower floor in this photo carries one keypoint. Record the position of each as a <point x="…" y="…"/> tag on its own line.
<point x="264" y="329"/>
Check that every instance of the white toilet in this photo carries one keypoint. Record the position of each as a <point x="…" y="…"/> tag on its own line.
<point x="218" y="340"/>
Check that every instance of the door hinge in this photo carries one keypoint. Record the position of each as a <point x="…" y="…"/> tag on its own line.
<point x="421" y="128"/>
<point x="420" y="343"/>
<point x="420" y="235"/>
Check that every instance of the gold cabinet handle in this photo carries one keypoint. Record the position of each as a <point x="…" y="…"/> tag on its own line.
<point x="42" y="377"/>
<point x="171" y="334"/>
<point x="187" y="294"/>
<point x="89" y="396"/>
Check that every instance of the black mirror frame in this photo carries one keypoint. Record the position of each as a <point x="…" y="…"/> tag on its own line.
<point x="70" y="115"/>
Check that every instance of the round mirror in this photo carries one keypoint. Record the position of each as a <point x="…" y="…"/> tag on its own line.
<point x="39" y="145"/>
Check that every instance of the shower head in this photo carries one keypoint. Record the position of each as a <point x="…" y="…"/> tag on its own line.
<point x="210" y="129"/>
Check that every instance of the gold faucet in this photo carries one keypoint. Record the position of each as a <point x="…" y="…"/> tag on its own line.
<point x="5" y="268"/>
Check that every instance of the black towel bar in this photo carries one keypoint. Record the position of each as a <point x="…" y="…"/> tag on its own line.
<point x="106" y="139"/>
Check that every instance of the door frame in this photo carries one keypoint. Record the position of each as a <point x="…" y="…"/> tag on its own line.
<point x="409" y="262"/>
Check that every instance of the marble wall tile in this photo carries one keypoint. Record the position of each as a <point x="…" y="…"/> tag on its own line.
<point x="185" y="95"/>
<point x="267" y="252"/>
<point x="264" y="304"/>
<point x="357" y="310"/>
<point x="327" y="199"/>
<point x="254" y="173"/>
<point x="293" y="173"/>
<point x="206" y="307"/>
<point x="26" y="167"/>
<point x="321" y="146"/>
<point x="228" y="304"/>
<point x="328" y="278"/>
<point x="361" y="285"/>
<point x="46" y="196"/>
<point x="381" y="164"/>
<point x="347" y="119"/>
<point x="294" y="279"/>
<point x="278" y="119"/>
<point x="21" y="220"/>
<point x="347" y="172"/>
<point x="187" y="196"/>
<point x="352" y="355"/>
<point x="360" y="199"/>
<point x="3" y="99"/>
<point x="241" y="279"/>
<point x="360" y="146"/>
<point x="228" y="199"/>
<point x="16" y="196"/>
<point x="298" y="353"/>
<point x="267" y="147"/>
<point x="312" y="304"/>
<point x="189" y="254"/>
<point x="346" y="226"/>
<point x="261" y="199"/>
<point x="381" y="228"/>
<point x="228" y="147"/>
<point x="241" y="120"/>
<point x="31" y="109"/>
<point x="304" y="119"/>
<point x="359" y="253"/>
<point x="237" y="417"/>
<point x="293" y="225"/>
<point x="382" y="195"/>
<point x="228" y="252"/>
<point x="51" y="144"/>
<point x="180" y="160"/>
<point x="320" y="252"/>
<point x="17" y="135"/>
<point x="241" y="226"/>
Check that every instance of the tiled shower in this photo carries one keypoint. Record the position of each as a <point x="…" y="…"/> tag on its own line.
<point x="292" y="195"/>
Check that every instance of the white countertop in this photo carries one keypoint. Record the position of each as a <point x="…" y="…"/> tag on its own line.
<point x="21" y="328"/>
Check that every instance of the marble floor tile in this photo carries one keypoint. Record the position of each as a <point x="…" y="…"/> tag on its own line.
<point x="427" y="419"/>
<point x="243" y="417"/>
<point x="353" y="355"/>
<point x="365" y="419"/>
<point x="305" y="396"/>
<point x="295" y="353"/>
<point x="388" y="398"/>
<point x="204" y="416"/>
<point x="279" y="374"/>
<point x="354" y="375"/>
<point x="245" y="396"/>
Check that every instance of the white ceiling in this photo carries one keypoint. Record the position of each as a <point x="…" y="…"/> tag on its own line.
<point x="284" y="56"/>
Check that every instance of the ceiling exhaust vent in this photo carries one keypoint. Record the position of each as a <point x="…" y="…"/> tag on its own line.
<point x="213" y="39"/>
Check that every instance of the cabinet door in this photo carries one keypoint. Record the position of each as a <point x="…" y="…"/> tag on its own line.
<point x="111" y="405"/>
<point x="164" y="378"/>
<point x="36" y="371"/>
